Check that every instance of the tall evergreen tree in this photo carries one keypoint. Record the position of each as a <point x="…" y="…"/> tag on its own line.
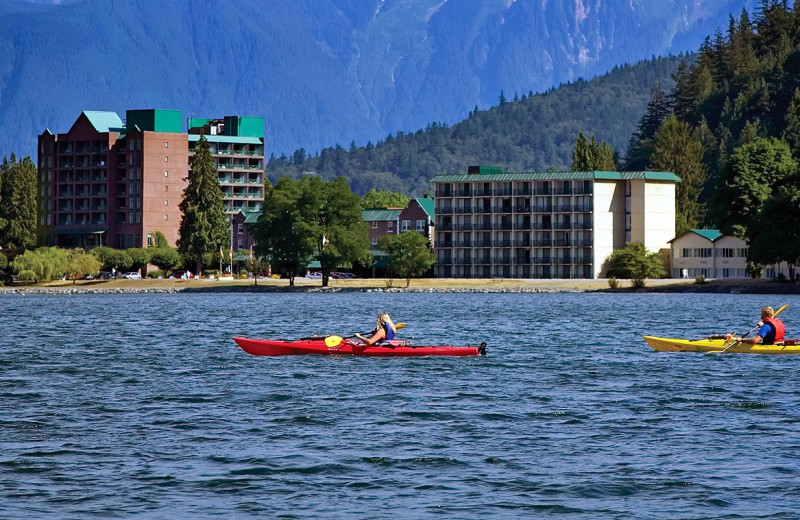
<point x="18" y="191"/>
<point x="677" y="150"/>
<point x="581" y="156"/>
<point x="204" y="227"/>
<point x="791" y="129"/>
<point x="641" y="144"/>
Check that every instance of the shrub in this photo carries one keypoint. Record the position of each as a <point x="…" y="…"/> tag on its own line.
<point x="155" y="273"/>
<point x="700" y="280"/>
<point x="637" y="283"/>
<point x="243" y="273"/>
<point x="613" y="283"/>
<point x="27" y="275"/>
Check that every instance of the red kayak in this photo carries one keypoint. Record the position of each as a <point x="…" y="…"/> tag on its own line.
<point x="324" y="345"/>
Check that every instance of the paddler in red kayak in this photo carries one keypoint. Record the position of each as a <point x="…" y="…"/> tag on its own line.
<point x="771" y="331"/>
<point x="384" y="330"/>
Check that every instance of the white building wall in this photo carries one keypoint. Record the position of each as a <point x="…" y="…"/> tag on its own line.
<point x="609" y="221"/>
<point x="691" y="266"/>
<point x="655" y="224"/>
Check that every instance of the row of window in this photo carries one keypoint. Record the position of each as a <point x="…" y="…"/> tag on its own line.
<point x="708" y="252"/>
<point x="405" y="225"/>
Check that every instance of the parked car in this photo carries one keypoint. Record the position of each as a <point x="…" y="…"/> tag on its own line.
<point x="314" y="275"/>
<point x="182" y="273"/>
<point x="132" y="276"/>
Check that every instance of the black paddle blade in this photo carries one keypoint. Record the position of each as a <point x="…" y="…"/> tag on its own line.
<point x="482" y="348"/>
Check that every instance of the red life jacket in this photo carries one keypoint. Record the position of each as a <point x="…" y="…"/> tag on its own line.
<point x="778" y="331"/>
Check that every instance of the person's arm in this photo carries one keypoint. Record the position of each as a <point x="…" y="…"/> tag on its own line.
<point x="379" y="335"/>
<point x="758" y="339"/>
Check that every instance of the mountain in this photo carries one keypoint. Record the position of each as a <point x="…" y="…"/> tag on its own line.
<point x="533" y="133"/>
<point x="320" y="71"/>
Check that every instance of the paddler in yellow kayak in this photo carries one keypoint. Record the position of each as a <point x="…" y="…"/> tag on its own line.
<point x="771" y="331"/>
<point x="384" y="330"/>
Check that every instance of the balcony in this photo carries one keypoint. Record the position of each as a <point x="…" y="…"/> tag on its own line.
<point x="505" y="226"/>
<point x="463" y="210"/>
<point x="502" y="243"/>
<point x="444" y="211"/>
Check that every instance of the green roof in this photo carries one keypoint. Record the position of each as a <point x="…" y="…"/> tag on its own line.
<point x="252" y="217"/>
<point x="314" y="264"/>
<point x="711" y="235"/>
<point x="225" y="139"/>
<point x="104" y="122"/>
<point x="149" y="120"/>
<point x="558" y="176"/>
<point x="426" y="204"/>
<point x="380" y="215"/>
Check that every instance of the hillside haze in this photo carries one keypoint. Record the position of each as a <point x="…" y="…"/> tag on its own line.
<point x="320" y="71"/>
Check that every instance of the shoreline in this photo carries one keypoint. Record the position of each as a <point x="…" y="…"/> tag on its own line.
<point x="426" y="285"/>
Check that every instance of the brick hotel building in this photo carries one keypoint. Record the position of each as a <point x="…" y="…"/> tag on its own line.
<point x="113" y="182"/>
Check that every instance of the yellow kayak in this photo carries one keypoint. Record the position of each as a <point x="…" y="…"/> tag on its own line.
<point x="717" y="345"/>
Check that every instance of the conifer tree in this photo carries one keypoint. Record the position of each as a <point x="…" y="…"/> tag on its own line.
<point x="18" y="191"/>
<point x="581" y="156"/>
<point x="641" y="145"/>
<point x="791" y="129"/>
<point x="677" y="150"/>
<point x="204" y="227"/>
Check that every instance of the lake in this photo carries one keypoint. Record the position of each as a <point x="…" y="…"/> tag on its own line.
<point x="141" y="405"/>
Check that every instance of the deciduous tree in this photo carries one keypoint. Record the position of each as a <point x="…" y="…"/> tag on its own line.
<point x="636" y="263"/>
<point x="408" y="254"/>
<point x="280" y="233"/>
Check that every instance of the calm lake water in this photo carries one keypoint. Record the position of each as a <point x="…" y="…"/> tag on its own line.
<point x="116" y="406"/>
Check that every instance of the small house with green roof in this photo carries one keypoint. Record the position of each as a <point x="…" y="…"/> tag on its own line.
<point x="492" y="224"/>
<point x="708" y="253"/>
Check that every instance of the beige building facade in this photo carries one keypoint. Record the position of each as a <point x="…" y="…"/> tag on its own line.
<point x="491" y="224"/>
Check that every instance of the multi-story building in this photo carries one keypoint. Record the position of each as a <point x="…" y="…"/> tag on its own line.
<point x="237" y="145"/>
<point x="113" y="182"/>
<point x="547" y="224"/>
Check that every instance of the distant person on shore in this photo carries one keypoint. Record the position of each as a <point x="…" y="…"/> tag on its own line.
<point x="384" y="330"/>
<point x="771" y="331"/>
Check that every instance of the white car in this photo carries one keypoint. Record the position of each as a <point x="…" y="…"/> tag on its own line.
<point x="132" y="276"/>
<point x="314" y="275"/>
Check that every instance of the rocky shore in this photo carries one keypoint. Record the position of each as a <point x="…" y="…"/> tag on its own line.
<point x="467" y="287"/>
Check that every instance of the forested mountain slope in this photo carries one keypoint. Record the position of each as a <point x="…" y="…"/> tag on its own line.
<point x="535" y="132"/>
<point x="320" y="71"/>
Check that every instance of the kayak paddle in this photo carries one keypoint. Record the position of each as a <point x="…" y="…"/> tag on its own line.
<point x="334" y="341"/>
<point x="753" y="329"/>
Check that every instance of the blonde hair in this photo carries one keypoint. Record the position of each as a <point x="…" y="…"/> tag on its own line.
<point x="768" y="311"/>
<point x="384" y="318"/>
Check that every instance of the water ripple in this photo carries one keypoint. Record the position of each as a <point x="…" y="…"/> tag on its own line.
<point x="117" y="406"/>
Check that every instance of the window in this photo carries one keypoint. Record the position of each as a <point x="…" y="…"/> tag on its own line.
<point x="166" y="159"/>
<point x="240" y="230"/>
<point x="374" y="225"/>
<point x="405" y="225"/>
<point x="374" y="241"/>
<point x="241" y="245"/>
<point x="421" y="225"/>
<point x="166" y="144"/>
<point x="166" y="188"/>
<point x="166" y="173"/>
<point x="166" y="202"/>
<point x="390" y="225"/>
<point x="165" y="216"/>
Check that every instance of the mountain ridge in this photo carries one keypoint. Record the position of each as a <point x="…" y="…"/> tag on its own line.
<point x="320" y="72"/>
